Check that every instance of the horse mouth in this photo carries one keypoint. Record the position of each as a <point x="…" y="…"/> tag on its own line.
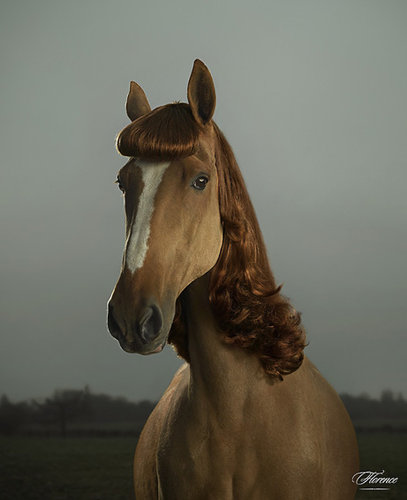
<point x="159" y="348"/>
<point x="137" y="348"/>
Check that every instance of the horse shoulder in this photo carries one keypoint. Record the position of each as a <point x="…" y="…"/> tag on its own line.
<point x="341" y="455"/>
<point x="296" y="438"/>
<point x="145" y="460"/>
<point x="314" y="417"/>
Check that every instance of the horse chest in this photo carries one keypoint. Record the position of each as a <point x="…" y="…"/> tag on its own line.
<point x="205" y="469"/>
<point x="214" y="460"/>
<point x="224" y="471"/>
<point x="209" y="463"/>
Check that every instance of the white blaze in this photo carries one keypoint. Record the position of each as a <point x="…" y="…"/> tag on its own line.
<point x="137" y="243"/>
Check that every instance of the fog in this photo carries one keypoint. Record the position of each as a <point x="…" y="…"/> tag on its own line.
<point x="312" y="98"/>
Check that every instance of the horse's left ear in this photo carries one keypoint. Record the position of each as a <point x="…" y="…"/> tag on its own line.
<point x="201" y="93"/>
<point x="137" y="104"/>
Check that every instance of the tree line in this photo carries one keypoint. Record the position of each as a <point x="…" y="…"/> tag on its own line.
<point x="388" y="412"/>
<point x="73" y="412"/>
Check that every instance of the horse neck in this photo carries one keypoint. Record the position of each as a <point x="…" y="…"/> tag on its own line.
<point x="223" y="377"/>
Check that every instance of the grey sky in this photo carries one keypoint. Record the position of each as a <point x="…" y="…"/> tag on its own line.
<point x="312" y="97"/>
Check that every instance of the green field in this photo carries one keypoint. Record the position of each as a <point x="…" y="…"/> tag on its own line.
<point x="60" y="469"/>
<point x="36" y="468"/>
<point x="388" y="451"/>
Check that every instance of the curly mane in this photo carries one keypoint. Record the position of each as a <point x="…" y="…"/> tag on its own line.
<point x="245" y="300"/>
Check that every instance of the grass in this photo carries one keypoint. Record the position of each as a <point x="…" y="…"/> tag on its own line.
<point x="66" y="469"/>
<point x="388" y="451"/>
<point x="34" y="468"/>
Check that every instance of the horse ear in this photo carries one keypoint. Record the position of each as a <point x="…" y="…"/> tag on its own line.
<point x="137" y="104"/>
<point x="201" y="93"/>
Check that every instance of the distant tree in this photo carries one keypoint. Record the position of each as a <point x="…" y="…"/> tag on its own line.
<point x="105" y="408"/>
<point x="365" y="396"/>
<point x="12" y="415"/>
<point x="387" y="396"/>
<point x="63" y="407"/>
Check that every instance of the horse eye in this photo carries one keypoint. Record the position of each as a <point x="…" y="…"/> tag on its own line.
<point x="200" y="182"/>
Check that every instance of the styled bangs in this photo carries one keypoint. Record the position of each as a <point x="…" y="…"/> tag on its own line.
<point x="166" y="133"/>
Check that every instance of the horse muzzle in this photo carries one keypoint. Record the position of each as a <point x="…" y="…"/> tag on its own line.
<point x="142" y="335"/>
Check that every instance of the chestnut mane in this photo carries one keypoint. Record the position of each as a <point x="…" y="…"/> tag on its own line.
<point x="246" y="302"/>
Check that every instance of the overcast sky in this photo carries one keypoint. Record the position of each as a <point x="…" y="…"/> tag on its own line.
<point x="312" y="97"/>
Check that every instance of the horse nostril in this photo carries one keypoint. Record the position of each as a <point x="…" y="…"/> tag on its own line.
<point x="112" y="324"/>
<point x="150" y="323"/>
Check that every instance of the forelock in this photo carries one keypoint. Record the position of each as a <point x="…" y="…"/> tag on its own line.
<point x="166" y="133"/>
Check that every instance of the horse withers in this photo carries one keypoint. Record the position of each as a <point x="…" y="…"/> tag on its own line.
<point x="247" y="416"/>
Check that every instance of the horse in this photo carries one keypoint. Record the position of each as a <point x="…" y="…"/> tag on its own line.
<point x="247" y="416"/>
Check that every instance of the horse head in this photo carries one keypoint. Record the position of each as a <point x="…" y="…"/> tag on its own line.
<point x="173" y="223"/>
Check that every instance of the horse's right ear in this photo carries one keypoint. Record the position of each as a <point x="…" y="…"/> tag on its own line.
<point x="137" y="104"/>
